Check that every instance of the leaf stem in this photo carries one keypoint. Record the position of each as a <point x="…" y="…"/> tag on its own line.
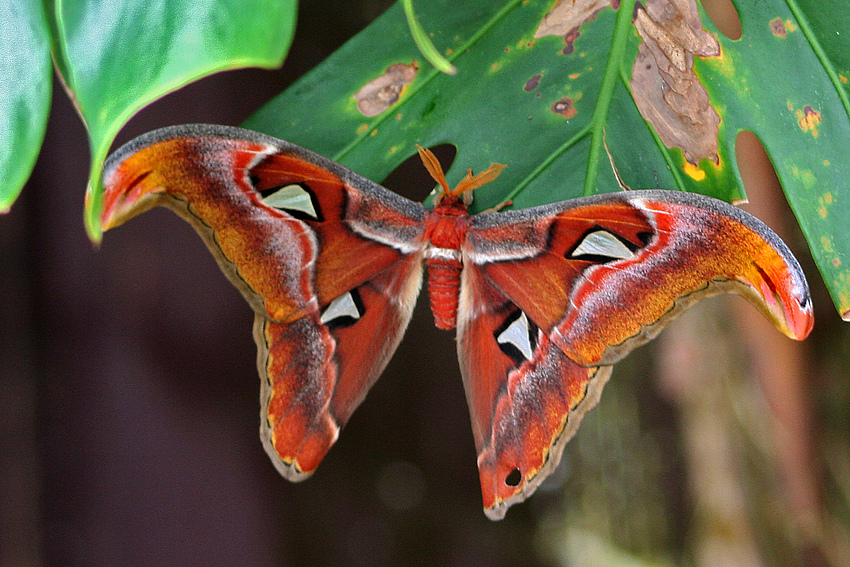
<point x="424" y="43"/>
<point x="606" y="93"/>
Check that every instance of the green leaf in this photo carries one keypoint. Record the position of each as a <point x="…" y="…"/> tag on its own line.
<point x="25" y="74"/>
<point x="787" y="84"/>
<point x="517" y="99"/>
<point x="116" y="56"/>
<point x="560" y="109"/>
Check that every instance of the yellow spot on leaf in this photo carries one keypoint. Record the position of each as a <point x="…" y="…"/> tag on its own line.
<point x="842" y="78"/>
<point x="374" y="132"/>
<point x="823" y="204"/>
<point x="574" y="76"/>
<point x="826" y="244"/>
<point x="808" y="179"/>
<point x="826" y="163"/>
<point x="694" y="171"/>
<point x="808" y="119"/>
<point x="362" y="128"/>
<point x="790" y="26"/>
<point x="725" y="63"/>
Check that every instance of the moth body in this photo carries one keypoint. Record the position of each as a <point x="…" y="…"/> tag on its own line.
<point x="446" y="228"/>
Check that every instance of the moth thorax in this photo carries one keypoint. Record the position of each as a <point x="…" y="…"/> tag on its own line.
<point x="444" y="268"/>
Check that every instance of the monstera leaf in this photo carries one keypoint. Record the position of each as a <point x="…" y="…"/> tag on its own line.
<point x="114" y="57"/>
<point x="588" y="96"/>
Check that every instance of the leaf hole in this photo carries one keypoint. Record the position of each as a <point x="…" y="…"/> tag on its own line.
<point x="754" y="165"/>
<point x="410" y="179"/>
<point x="724" y="16"/>
<point x="514" y="478"/>
<point x="764" y="191"/>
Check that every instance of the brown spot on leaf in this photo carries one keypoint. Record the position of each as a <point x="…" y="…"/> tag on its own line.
<point x="569" y="41"/>
<point x="567" y="16"/>
<point x="565" y="107"/>
<point x="777" y="27"/>
<point x="379" y="94"/>
<point x="666" y="90"/>
<point x="532" y="83"/>
<point x="809" y="119"/>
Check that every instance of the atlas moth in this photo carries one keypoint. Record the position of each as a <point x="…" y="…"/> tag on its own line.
<point x="544" y="299"/>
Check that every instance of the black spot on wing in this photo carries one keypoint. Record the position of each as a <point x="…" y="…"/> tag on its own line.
<point x="514" y="478"/>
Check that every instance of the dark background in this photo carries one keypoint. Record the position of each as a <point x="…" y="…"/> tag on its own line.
<point x="129" y="406"/>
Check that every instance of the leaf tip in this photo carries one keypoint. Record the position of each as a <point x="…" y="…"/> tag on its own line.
<point x="92" y="211"/>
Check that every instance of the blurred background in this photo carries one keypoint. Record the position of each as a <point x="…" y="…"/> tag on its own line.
<point x="129" y="404"/>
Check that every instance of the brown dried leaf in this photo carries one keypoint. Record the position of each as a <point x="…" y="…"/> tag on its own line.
<point x="568" y="15"/>
<point x="665" y="88"/>
<point x="379" y="94"/>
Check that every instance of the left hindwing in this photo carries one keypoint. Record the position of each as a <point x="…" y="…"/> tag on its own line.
<point x="526" y="397"/>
